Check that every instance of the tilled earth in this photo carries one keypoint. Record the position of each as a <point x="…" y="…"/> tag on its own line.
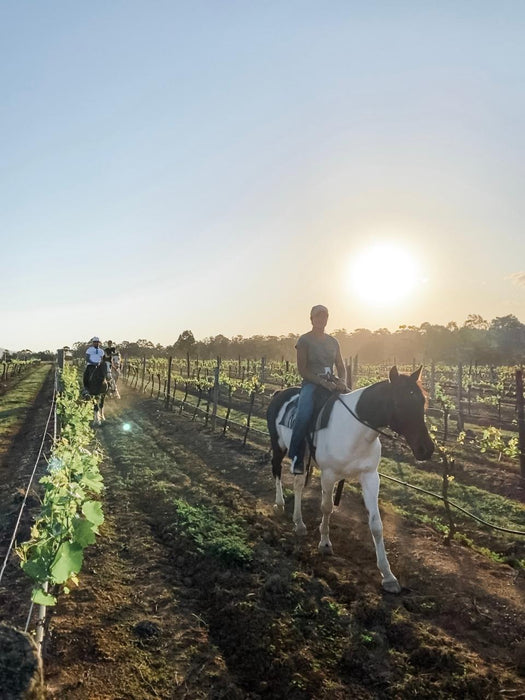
<point x="196" y="589"/>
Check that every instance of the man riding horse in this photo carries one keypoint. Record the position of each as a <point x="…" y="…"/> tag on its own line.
<point x="94" y="356"/>
<point x="317" y="352"/>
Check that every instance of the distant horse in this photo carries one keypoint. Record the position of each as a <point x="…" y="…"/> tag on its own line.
<point x="349" y="447"/>
<point x="97" y="383"/>
<point x="115" y="367"/>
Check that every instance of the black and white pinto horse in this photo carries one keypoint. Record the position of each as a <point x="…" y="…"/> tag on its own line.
<point x="349" y="447"/>
<point x="97" y="383"/>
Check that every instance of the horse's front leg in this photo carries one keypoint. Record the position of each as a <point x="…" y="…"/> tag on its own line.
<point x="370" y="486"/>
<point x="115" y="380"/>
<point x="327" y="506"/>
<point x="298" y="486"/>
<point x="96" y="413"/>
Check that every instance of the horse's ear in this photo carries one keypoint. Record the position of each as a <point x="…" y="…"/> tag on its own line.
<point x="417" y="374"/>
<point x="394" y="374"/>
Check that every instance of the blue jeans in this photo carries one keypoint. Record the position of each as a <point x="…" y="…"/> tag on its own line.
<point x="305" y="409"/>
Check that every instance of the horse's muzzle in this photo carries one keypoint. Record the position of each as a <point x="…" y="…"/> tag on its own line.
<point x="421" y="445"/>
<point x="423" y="454"/>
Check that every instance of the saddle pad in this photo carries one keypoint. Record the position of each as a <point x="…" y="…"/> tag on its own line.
<point x="323" y="403"/>
<point x="288" y="419"/>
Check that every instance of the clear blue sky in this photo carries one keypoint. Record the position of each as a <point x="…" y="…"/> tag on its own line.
<point x="217" y="166"/>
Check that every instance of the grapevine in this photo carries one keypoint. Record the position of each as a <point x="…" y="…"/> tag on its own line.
<point x="70" y="516"/>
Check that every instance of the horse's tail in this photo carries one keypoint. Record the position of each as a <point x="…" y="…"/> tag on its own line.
<point x="275" y="405"/>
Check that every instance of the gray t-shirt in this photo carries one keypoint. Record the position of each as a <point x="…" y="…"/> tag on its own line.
<point x="321" y="352"/>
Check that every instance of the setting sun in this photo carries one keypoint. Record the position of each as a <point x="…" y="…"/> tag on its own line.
<point x="383" y="274"/>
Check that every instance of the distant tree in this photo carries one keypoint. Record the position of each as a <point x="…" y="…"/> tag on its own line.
<point x="507" y="337"/>
<point x="406" y="344"/>
<point x="185" y="343"/>
<point x="438" y="342"/>
<point x="476" y="321"/>
<point x="502" y="341"/>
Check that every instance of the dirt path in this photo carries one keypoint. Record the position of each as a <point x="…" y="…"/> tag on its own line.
<point x="24" y="410"/>
<point x="197" y="590"/>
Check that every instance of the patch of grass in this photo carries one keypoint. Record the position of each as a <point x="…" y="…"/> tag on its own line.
<point x="17" y="401"/>
<point x="214" y="532"/>
<point x="492" y="508"/>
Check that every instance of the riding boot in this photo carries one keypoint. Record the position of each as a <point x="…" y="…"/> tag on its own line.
<point x="297" y="465"/>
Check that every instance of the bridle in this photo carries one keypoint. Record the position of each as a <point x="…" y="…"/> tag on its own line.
<point x="368" y="425"/>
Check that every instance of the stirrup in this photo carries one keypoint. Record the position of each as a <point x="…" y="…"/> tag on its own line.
<point x="297" y="467"/>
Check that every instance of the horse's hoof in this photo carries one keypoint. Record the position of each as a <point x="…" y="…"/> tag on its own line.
<point x="326" y="549"/>
<point x="392" y="586"/>
<point x="301" y="530"/>
<point x="278" y="508"/>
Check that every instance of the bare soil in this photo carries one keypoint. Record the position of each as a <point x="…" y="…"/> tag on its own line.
<point x="159" y="614"/>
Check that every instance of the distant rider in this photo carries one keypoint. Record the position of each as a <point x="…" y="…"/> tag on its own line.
<point x="112" y="357"/>
<point x="110" y="352"/>
<point x="94" y="356"/>
<point x="317" y="352"/>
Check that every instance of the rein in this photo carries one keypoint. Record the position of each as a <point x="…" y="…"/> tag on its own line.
<point x="368" y="425"/>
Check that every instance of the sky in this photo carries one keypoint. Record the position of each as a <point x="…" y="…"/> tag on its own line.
<point x="223" y="166"/>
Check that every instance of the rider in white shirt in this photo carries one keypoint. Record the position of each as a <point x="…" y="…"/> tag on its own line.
<point x="94" y="356"/>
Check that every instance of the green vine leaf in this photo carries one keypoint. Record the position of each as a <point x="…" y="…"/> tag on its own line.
<point x="40" y="597"/>
<point x="68" y="561"/>
<point x="37" y="569"/>
<point x="84" y="532"/>
<point x="93" y="512"/>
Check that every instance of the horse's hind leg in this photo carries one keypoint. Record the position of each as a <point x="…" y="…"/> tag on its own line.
<point x="277" y="458"/>
<point x="370" y="486"/>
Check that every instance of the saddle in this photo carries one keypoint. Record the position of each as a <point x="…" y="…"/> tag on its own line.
<point x="324" y="400"/>
<point x="89" y="372"/>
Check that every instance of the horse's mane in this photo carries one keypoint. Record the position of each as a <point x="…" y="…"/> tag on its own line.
<point x="423" y="391"/>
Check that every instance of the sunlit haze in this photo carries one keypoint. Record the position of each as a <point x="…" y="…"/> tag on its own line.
<point x="224" y="166"/>
<point x="383" y="275"/>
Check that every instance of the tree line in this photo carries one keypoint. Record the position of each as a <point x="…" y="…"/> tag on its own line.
<point x="499" y="342"/>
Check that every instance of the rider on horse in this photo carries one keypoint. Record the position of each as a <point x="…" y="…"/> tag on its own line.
<point x="113" y="359"/>
<point x="94" y="356"/>
<point x="317" y="352"/>
<point x="112" y="356"/>
<point x="110" y="351"/>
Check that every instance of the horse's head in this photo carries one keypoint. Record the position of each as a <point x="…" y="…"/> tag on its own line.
<point x="408" y="412"/>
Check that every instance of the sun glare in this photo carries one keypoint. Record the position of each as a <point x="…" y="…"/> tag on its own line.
<point x="383" y="274"/>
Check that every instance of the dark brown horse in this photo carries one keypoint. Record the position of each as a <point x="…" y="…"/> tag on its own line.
<point x="97" y="383"/>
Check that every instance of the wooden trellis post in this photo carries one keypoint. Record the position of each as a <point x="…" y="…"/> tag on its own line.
<point x="460" y="396"/>
<point x="433" y="380"/>
<point x="168" y="384"/>
<point x="215" y="393"/>
<point x="521" y="419"/>
<point x="143" y="373"/>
